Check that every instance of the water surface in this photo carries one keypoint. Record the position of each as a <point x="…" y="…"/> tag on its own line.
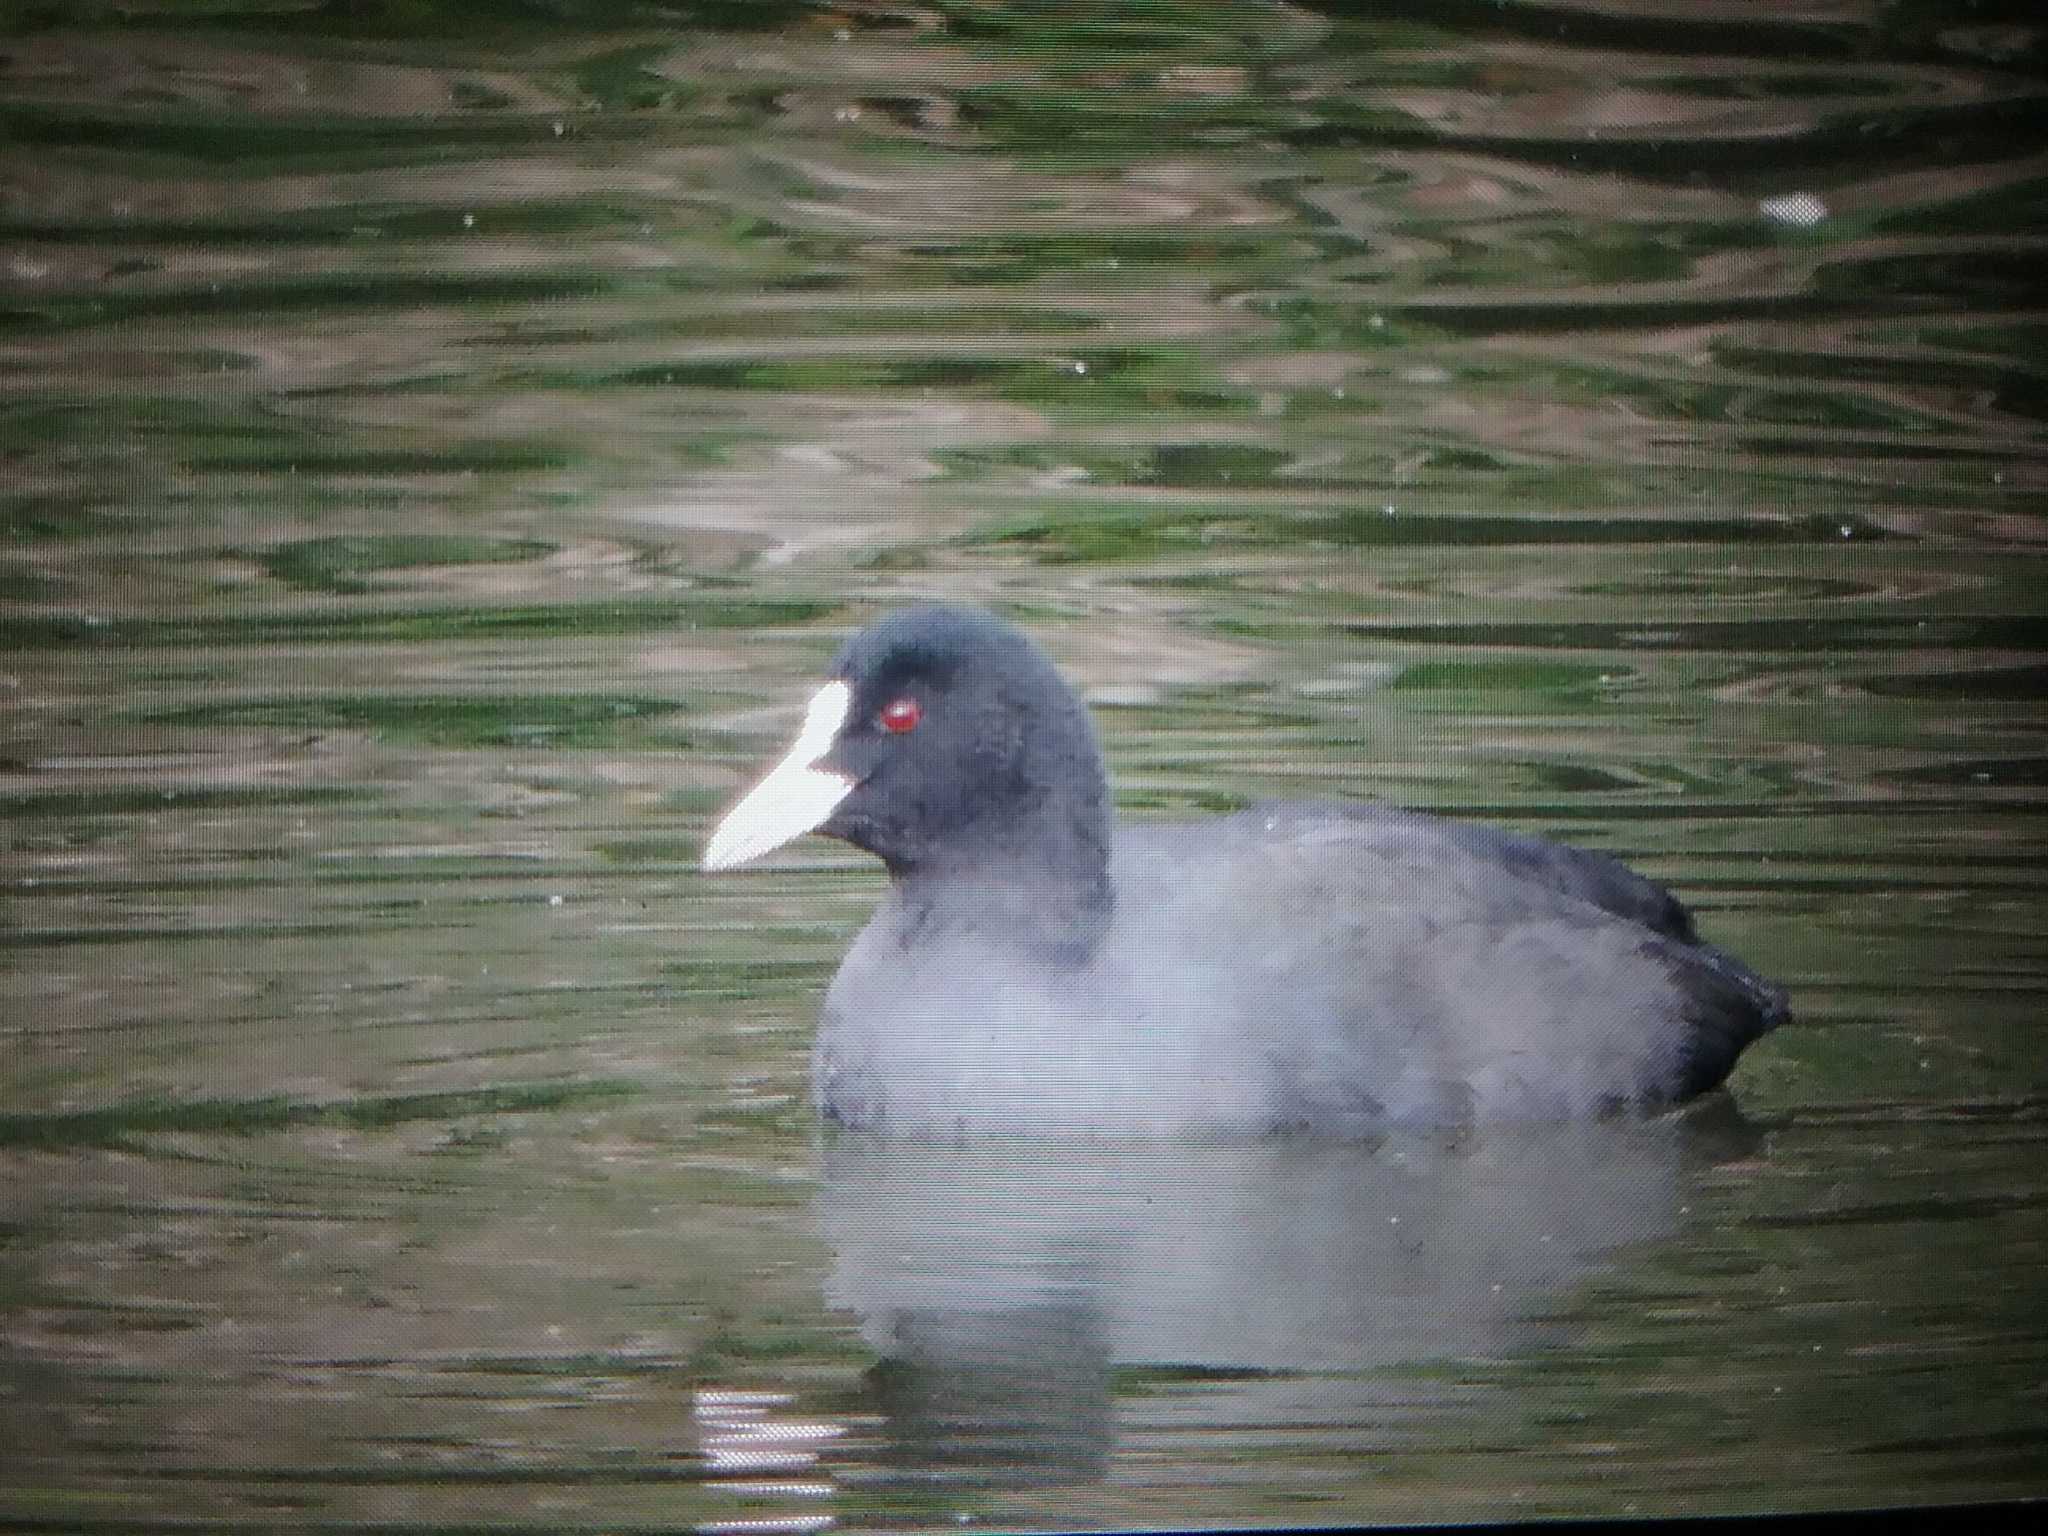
<point x="439" y="456"/>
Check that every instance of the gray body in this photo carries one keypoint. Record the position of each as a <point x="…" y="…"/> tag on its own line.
<point x="1336" y="969"/>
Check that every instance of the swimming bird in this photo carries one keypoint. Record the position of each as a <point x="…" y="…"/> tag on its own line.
<point x="1333" y="968"/>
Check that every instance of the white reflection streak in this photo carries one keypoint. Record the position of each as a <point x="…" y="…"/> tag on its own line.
<point x="741" y="1435"/>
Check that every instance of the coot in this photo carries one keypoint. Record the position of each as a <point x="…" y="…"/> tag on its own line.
<point x="1330" y="968"/>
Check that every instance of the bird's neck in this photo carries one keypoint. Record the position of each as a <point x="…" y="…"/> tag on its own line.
<point x="1059" y="914"/>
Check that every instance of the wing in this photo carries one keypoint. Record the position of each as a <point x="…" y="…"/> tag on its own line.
<point x="1499" y="976"/>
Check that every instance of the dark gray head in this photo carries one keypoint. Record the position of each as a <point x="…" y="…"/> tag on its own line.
<point x="946" y="744"/>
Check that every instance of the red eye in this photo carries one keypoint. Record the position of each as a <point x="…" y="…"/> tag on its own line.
<point x="900" y="715"/>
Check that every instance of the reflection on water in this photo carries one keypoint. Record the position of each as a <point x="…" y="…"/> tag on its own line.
<point x="1016" y="1291"/>
<point x="437" y="459"/>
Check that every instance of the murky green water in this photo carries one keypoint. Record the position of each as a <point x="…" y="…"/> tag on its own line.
<point x="436" y="456"/>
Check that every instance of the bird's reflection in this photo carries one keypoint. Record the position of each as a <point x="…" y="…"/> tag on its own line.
<point x="1022" y="1294"/>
